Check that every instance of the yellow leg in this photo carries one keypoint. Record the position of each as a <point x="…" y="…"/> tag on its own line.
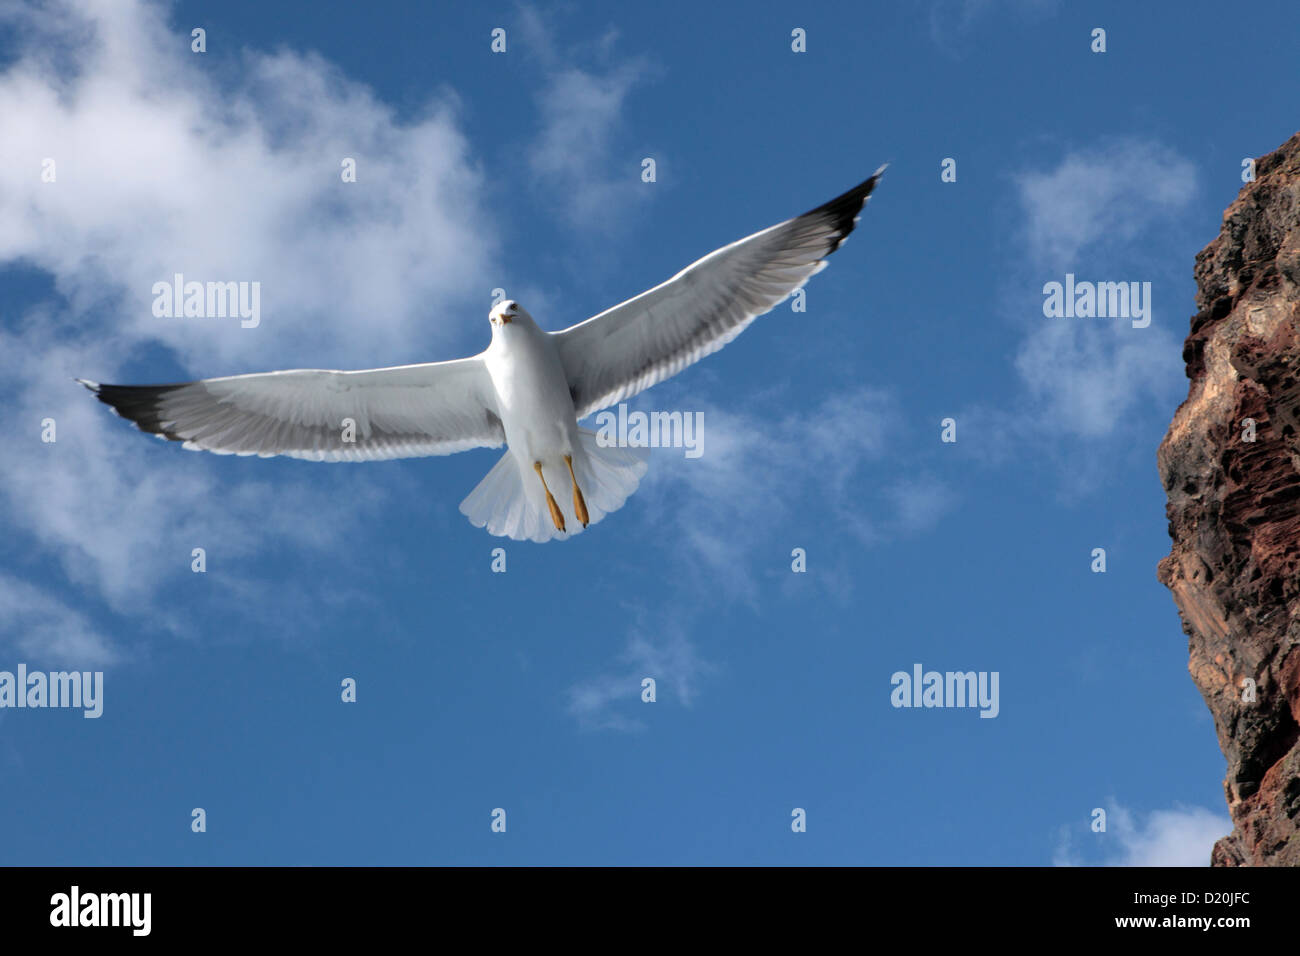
<point x="579" y="502"/>
<point x="556" y="515"/>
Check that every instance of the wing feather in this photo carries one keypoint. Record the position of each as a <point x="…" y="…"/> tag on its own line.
<point x="638" y="343"/>
<point x="408" y="411"/>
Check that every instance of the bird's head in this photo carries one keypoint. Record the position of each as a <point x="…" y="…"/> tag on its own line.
<point x="504" y="313"/>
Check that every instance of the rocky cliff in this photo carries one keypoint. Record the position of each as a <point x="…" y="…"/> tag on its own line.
<point x="1230" y="464"/>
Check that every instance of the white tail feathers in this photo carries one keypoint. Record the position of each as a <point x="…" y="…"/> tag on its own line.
<point x="512" y="504"/>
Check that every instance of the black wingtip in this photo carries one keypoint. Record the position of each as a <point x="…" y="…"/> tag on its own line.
<point x="136" y="403"/>
<point x="843" y="210"/>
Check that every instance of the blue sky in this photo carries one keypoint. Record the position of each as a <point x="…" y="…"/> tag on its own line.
<point x="522" y="171"/>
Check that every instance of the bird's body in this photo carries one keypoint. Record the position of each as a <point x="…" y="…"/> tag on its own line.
<point x="542" y="436"/>
<point x="533" y="398"/>
<point x="527" y="390"/>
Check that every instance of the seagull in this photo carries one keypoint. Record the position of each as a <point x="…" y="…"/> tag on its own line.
<point x="528" y="390"/>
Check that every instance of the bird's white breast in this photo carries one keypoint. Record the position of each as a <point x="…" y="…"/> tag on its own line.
<point x="532" y="392"/>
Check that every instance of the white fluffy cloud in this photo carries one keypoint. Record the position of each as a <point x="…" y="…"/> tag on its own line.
<point x="1182" y="836"/>
<point x="162" y="168"/>
<point x="163" y="164"/>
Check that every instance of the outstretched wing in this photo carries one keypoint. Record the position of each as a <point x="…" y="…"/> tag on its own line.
<point x="626" y="349"/>
<point x="409" y="411"/>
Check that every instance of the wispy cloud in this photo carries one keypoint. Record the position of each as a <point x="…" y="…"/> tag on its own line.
<point x="662" y="652"/>
<point x="1084" y="380"/>
<point x="918" y="503"/>
<point x="1099" y="213"/>
<point x="765" y="477"/>
<point x="952" y="20"/>
<point x="767" y="471"/>
<point x="574" y="156"/>
<point x="39" y="627"/>
<point x="1102" y="199"/>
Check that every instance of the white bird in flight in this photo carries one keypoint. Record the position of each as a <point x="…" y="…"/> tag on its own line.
<point x="528" y="389"/>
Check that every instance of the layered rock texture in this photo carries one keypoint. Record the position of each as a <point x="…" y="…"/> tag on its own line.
<point x="1234" y="507"/>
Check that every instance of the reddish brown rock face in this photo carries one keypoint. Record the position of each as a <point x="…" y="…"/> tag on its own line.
<point x="1234" y="507"/>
